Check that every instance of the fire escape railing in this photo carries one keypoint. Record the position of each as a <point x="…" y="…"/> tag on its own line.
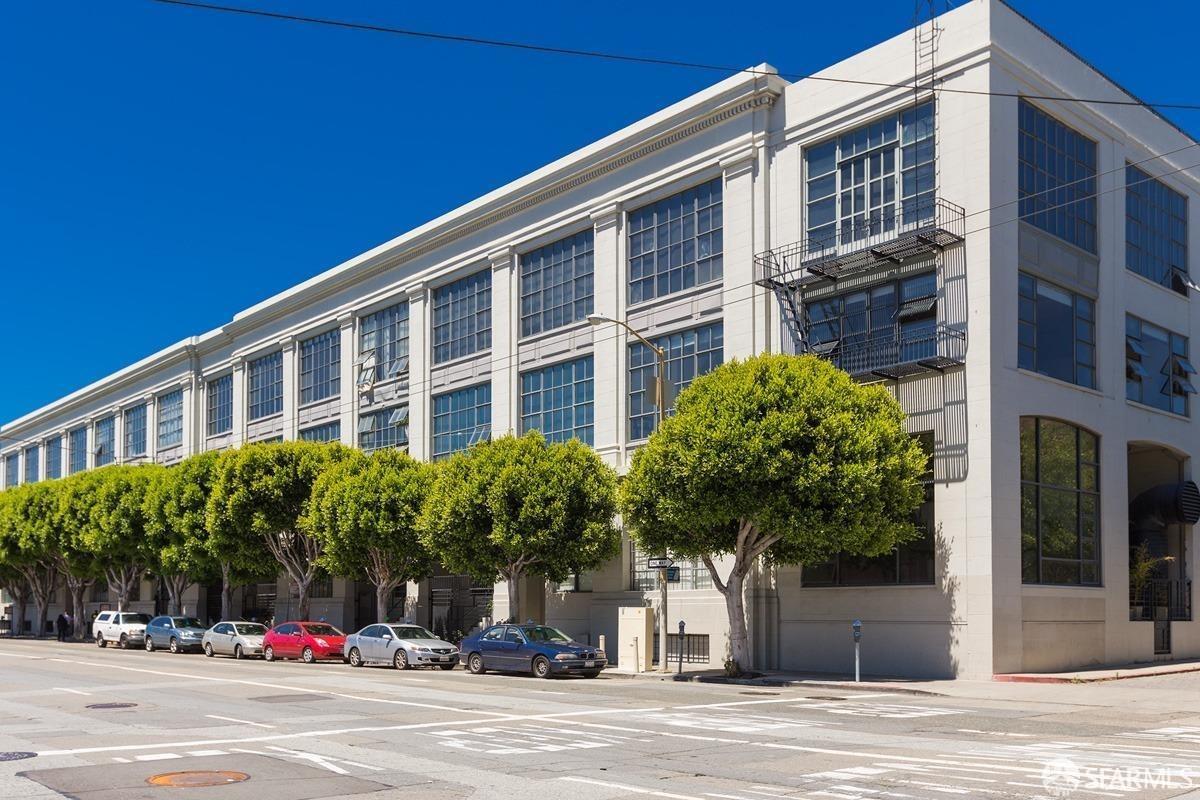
<point x="897" y="354"/>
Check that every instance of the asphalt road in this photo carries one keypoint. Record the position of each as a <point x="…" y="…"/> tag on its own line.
<point x="328" y="730"/>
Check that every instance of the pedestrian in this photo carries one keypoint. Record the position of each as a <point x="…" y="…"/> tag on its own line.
<point x="70" y="626"/>
<point x="60" y="626"/>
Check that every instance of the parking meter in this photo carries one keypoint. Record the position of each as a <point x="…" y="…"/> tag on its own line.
<point x="681" y="627"/>
<point x="856" y="627"/>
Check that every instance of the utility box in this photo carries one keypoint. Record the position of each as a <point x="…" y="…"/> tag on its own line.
<point x="635" y="639"/>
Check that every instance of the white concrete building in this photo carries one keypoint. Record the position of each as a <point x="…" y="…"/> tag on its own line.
<point x="1005" y="262"/>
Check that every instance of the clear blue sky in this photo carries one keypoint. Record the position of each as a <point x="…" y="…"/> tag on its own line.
<point x="162" y="168"/>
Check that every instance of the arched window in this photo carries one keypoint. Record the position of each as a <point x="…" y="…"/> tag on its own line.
<point x="1060" y="503"/>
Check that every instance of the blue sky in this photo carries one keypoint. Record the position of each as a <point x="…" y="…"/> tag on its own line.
<point x="162" y="168"/>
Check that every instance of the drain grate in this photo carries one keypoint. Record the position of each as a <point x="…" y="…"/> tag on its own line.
<point x="15" y="755"/>
<point x="196" y="779"/>
<point x="106" y="706"/>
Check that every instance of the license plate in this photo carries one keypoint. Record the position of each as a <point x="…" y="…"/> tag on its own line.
<point x="589" y="663"/>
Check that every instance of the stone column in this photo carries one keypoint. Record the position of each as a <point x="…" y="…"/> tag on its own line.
<point x="193" y="430"/>
<point x="505" y="306"/>
<point x="151" y="428"/>
<point x="291" y="388"/>
<point x="118" y="435"/>
<point x="608" y="350"/>
<point x="420" y="412"/>
<point x="744" y="330"/>
<point x="64" y="454"/>
<point x="91" y="443"/>
<point x="348" y="377"/>
<point x="238" y="433"/>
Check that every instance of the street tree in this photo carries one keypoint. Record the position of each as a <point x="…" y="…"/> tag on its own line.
<point x="364" y="512"/>
<point x="116" y="534"/>
<point x="518" y="506"/>
<point x="177" y="536"/>
<point x="779" y="457"/>
<point x="262" y="491"/>
<point x="80" y="571"/>
<point x="29" y="541"/>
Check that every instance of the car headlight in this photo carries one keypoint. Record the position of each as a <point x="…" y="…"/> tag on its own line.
<point x="566" y="657"/>
<point x="422" y="649"/>
<point x="321" y="643"/>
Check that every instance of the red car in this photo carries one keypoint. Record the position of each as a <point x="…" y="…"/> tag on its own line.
<point x="307" y="641"/>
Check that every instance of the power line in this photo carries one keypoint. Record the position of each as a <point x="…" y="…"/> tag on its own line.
<point x="634" y="59"/>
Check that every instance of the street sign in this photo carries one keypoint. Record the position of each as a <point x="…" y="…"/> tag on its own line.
<point x="659" y="563"/>
<point x="672" y="574"/>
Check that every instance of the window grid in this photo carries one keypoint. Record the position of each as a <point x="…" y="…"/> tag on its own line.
<point x="77" y="446"/>
<point x="1060" y="503"/>
<point x="1056" y="332"/>
<point x="54" y="457"/>
<point x="690" y="354"/>
<point x="385" y="335"/>
<point x="326" y="432"/>
<point x="853" y="181"/>
<point x="106" y="441"/>
<point x="676" y="243"/>
<point x="462" y="317"/>
<point x="558" y="401"/>
<point x="31" y="464"/>
<point x="692" y="573"/>
<point x="134" y="429"/>
<point x="1158" y="372"/>
<point x="461" y="418"/>
<point x="12" y="470"/>
<point x="382" y="429"/>
<point x="557" y="283"/>
<point x="170" y="419"/>
<point x="265" y="384"/>
<point x="320" y="367"/>
<point x="1156" y="230"/>
<point x="220" y="405"/>
<point x="1056" y="183"/>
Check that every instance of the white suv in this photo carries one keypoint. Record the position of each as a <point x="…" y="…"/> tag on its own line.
<point x="123" y="628"/>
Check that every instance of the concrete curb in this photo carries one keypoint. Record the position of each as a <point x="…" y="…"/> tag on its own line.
<point x="776" y="683"/>
<point x="1099" y="676"/>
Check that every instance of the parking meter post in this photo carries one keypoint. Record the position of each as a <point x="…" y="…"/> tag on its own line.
<point x="662" y="625"/>
<point x="680" y="647"/>
<point x="856" y="627"/>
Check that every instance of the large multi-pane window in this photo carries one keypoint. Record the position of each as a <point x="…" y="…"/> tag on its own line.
<point x="556" y="284"/>
<point x="911" y="562"/>
<point x="12" y="470"/>
<point x="558" y="401"/>
<point x="461" y="418"/>
<point x="105" y="445"/>
<point x="690" y="354"/>
<point x="1060" y="503"/>
<point x="886" y="324"/>
<point x="693" y="574"/>
<point x="264" y="383"/>
<point x="134" y="428"/>
<point x="380" y="429"/>
<point x="320" y="367"/>
<point x="54" y="457"/>
<point x="1156" y="230"/>
<point x="1158" y="371"/>
<point x="872" y="179"/>
<point x="31" y="463"/>
<point x="676" y="243"/>
<point x="220" y="405"/>
<point x="462" y="317"/>
<point x="1056" y="331"/>
<point x="77" y="442"/>
<point x="383" y="343"/>
<point x="327" y="432"/>
<point x="170" y="419"/>
<point x="1056" y="182"/>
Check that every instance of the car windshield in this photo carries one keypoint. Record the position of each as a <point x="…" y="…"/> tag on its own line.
<point x="321" y="629"/>
<point x="128" y="619"/>
<point x="412" y="632"/>
<point x="544" y="633"/>
<point x="187" y="622"/>
<point x="250" y="629"/>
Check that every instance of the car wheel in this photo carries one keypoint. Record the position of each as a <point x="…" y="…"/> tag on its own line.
<point x="269" y="653"/>
<point x="475" y="664"/>
<point x="149" y="644"/>
<point x="174" y="645"/>
<point x="308" y="656"/>
<point x="208" y="651"/>
<point x="355" y="657"/>
<point x="123" y="642"/>
<point x="541" y="667"/>
<point x="400" y="660"/>
<point x="100" y="641"/>
<point x="237" y="652"/>
<point x="446" y="667"/>
<point x="592" y="674"/>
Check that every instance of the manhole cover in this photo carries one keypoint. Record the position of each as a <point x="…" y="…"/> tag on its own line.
<point x="196" y="779"/>
<point x="104" y="706"/>
<point x="15" y="755"/>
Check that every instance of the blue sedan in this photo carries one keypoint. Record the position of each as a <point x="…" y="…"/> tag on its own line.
<point x="539" y="649"/>
<point x="176" y="634"/>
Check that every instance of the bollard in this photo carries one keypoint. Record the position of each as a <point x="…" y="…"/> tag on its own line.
<point x="856" y="626"/>
<point x="603" y="643"/>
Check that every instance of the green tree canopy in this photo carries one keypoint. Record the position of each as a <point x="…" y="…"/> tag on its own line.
<point x="519" y="506"/>
<point x="29" y="541"/>
<point x="783" y="457"/>
<point x="76" y="499"/>
<point x="364" y="511"/>
<point x="262" y="491"/>
<point x="116" y="533"/>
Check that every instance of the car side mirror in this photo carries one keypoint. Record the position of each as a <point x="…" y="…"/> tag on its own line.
<point x="387" y="636"/>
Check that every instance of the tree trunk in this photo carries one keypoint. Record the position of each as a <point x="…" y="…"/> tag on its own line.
<point x="40" y="580"/>
<point x="383" y="594"/>
<point x="77" y="587"/>
<point x="226" y="591"/>
<point x="20" y="595"/>
<point x="514" y="600"/>
<point x="176" y="585"/>
<point x="302" y="600"/>
<point x="739" y="640"/>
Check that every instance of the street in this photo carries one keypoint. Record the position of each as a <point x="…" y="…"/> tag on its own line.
<point x="328" y="730"/>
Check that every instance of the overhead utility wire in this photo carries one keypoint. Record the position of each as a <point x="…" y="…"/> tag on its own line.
<point x="624" y="57"/>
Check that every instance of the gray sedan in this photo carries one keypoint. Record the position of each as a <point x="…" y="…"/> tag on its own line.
<point x="401" y="645"/>
<point x="237" y="639"/>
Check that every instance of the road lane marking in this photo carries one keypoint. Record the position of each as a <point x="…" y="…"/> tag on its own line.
<point x="320" y="761"/>
<point x="627" y="788"/>
<point x="157" y="757"/>
<point x="239" y="721"/>
<point x="794" y="699"/>
<point x="72" y="691"/>
<point x="203" y="753"/>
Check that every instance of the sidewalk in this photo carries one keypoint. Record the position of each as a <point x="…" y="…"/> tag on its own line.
<point x="1103" y="673"/>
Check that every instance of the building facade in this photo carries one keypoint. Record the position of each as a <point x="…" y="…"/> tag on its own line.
<point x="1014" y="268"/>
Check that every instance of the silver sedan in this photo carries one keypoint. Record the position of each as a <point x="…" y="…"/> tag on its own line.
<point x="401" y="645"/>
<point x="237" y="639"/>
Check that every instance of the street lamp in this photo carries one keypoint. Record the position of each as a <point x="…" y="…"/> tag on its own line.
<point x="660" y="400"/>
